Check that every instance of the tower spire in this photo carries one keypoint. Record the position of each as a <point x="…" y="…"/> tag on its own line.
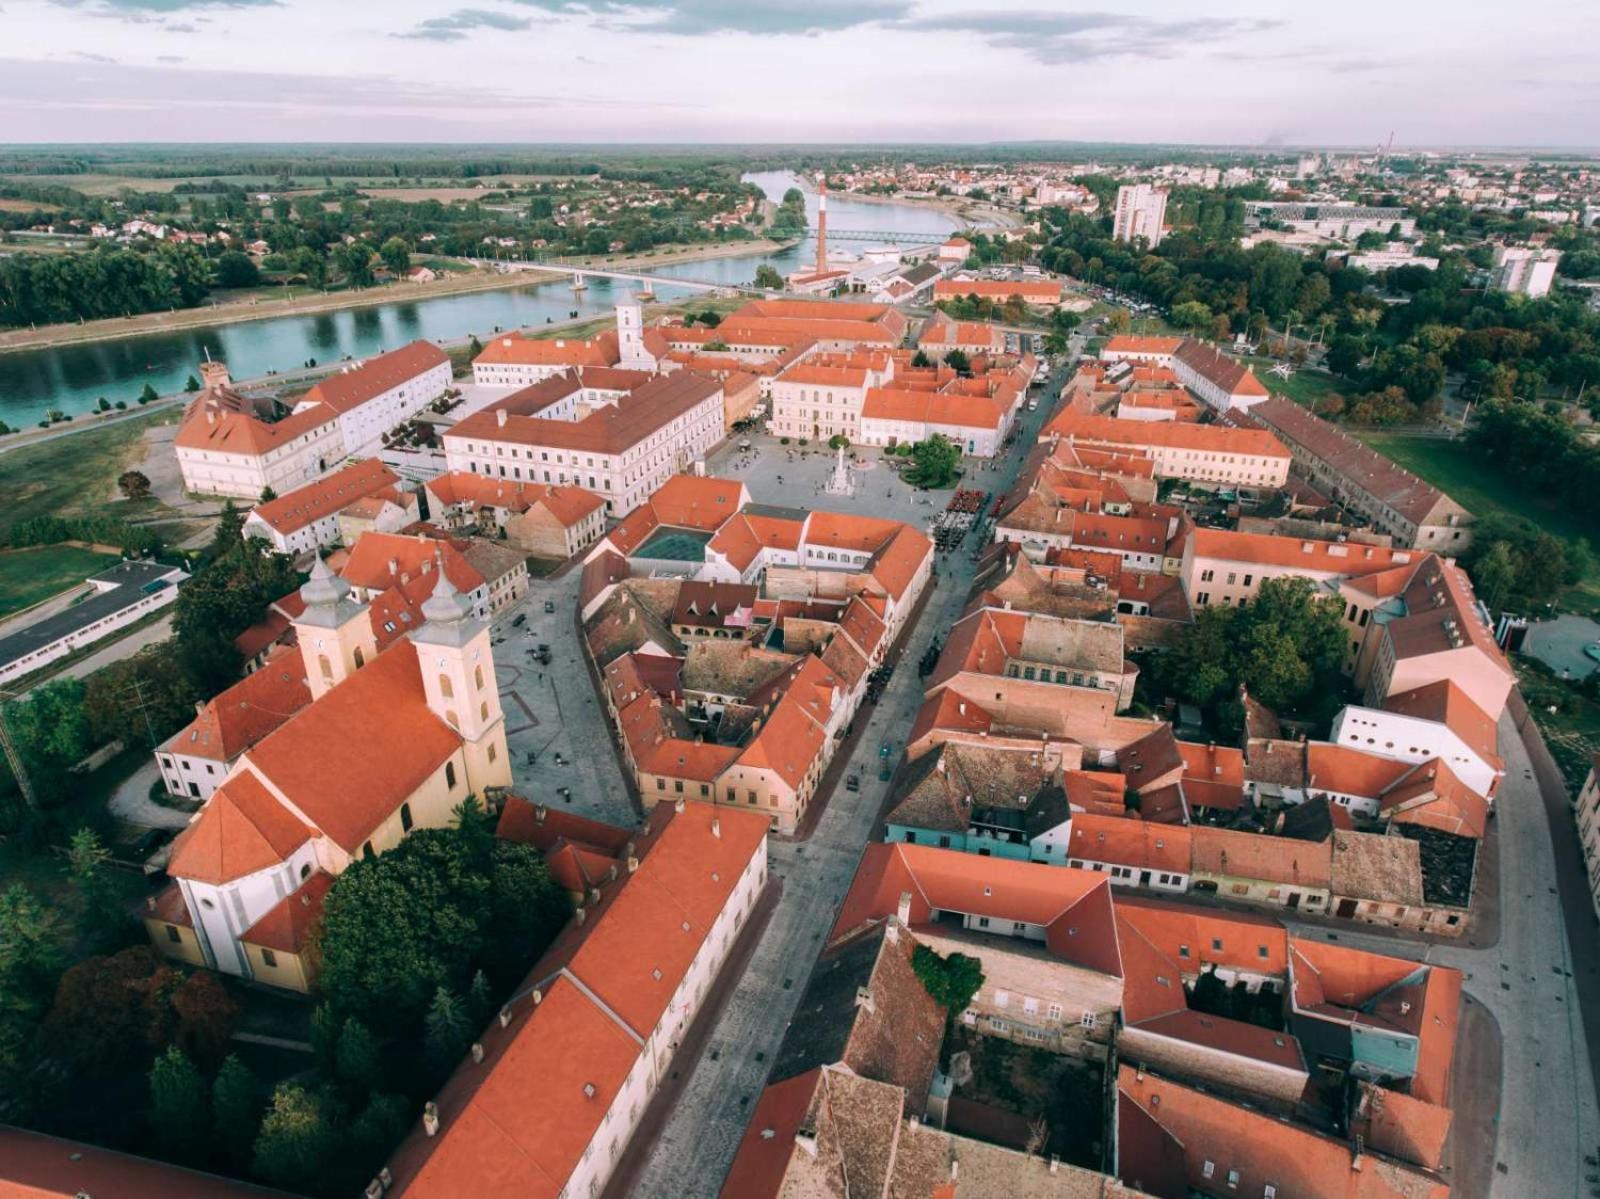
<point x="822" y="224"/>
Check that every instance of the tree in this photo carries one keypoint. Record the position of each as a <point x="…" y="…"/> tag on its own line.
<point x="236" y="1109"/>
<point x="33" y="939"/>
<point x="100" y="913"/>
<point x="921" y="361"/>
<point x="958" y="361"/>
<point x="134" y="485"/>
<point x="935" y="462"/>
<point x="144" y="698"/>
<point x="191" y="384"/>
<point x="768" y="278"/>
<point x="110" y="1013"/>
<point x="51" y="735"/>
<point x="148" y="395"/>
<point x="448" y="1031"/>
<point x="480" y="999"/>
<point x="297" y="1141"/>
<point x="952" y="981"/>
<point x="1191" y="315"/>
<point x="428" y="914"/>
<point x="1119" y="320"/>
<point x="838" y="442"/>
<point x="237" y="270"/>
<point x="267" y="494"/>
<point x="396" y="255"/>
<point x="179" y="1115"/>
<point x="354" y="260"/>
<point x="206" y="1017"/>
<point x="310" y="264"/>
<point x="356" y="1059"/>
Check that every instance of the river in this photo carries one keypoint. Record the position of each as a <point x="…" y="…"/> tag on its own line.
<point x="72" y="378"/>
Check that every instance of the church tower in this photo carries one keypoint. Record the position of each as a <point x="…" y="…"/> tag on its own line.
<point x="457" y="664"/>
<point x="632" y="354"/>
<point x="334" y="631"/>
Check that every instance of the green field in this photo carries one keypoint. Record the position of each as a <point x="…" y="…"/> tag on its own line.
<point x="30" y="575"/>
<point x="1307" y="388"/>
<point x="1449" y="466"/>
<point x="77" y="473"/>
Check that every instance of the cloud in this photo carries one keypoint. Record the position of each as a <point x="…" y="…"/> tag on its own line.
<point x="695" y="18"/>
<point x="171" y="58"/>
<point x="143" y="10"/>
<point x="1054" y="37"/>
<point x="457" y="25"/>
<point x="87" y="57"/>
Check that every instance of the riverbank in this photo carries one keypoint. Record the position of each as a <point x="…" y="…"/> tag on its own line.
<point x="260" y="309"/>
<point x="488" y="279"/>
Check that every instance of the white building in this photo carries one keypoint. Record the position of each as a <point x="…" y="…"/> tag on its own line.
<point x="1524" y="270"/>
<point x="1437" y="721"/>
<point x="126" y="593"/>
<point x="621" y="448"/>
<point x="308" y="517"/>
<point x="821" y="395"/>
<point x="374" y="396"/>
<point x="1140" y="213"/>
<point x="228" y="445"/>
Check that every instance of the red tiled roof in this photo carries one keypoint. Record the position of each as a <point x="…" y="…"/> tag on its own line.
<point x="378" y="561"/>
<point x="1218" y="439"/>
<point x="1125" y="841"/>
<point x="354" y="385"/>
<point x="567" y="504"/>
<point x="610" y="428"/>
<point x="1133" y="344"/>
<point x="288" y="924"/>
<point x="1035" y="290"/>
<point x="313" y="502"/>
<point x="1234" y="854"/>
<point x="242" y="829"/>
<point x="36" y="1166"/>
<point x="246" y="712"/>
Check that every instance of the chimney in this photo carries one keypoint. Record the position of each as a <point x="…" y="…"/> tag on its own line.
<point x="500" y="418"/>
<point x="150" y="903"/>
<point x="633" y="863"/>
<point x="374" y="1189"/>
<point x="588" y="1090"/>
<point x="199" y="707"/>
<point x="430" y="1118"/>
<point x="505" y="1017"/>
<point x="579" y="915"/>
<point x="477" y="1051"/>
<point x="677" y="804"/>
<point x="594" y="894"/>
<point x="394" y="567"/>
<point x="214" y="374"/>
<point x="537" y="996"/>
<point x="716" y="827"/>
<point x="903" y="911"/>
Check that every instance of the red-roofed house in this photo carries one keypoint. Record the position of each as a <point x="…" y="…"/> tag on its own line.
<point x="550" y="521"/>
<point x="308" y="517"/>
<point x="231" y="445"/>
<point x="374" y="396"/>
<point x="567" y="1070"/>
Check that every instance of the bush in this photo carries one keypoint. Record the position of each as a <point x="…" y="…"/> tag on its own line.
<point x="952" y="981"/>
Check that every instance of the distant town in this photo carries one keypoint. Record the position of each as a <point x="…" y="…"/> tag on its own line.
<point x="1086" y="683"/>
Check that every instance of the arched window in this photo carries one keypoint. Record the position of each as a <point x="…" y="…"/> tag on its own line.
<point x="360" y="658"/>
<point x="483" y="710"/>
<point x="452" y="719"/>
<point x="405" y="817"/>
<point x="477" y="676"/>
<point x="326" y="667"/>
<point x="450" y="775"/>
<point x="445" y="689"/>
<point x="305" y="872"/>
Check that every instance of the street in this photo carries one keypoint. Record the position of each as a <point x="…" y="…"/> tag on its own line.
<point x="702" y="1134"/>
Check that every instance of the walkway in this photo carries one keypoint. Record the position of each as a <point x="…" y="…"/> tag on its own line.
<point x="131" y="802"/>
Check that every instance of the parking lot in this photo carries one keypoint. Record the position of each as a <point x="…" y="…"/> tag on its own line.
<point x="555" y="724"/>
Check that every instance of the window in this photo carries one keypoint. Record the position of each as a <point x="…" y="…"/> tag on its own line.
<point x="1216" y="944"/>
<point x="450" y="775"/>
<point x="445" y="689"/>
<point x="173" y="934"/>
<point x="360" y="658"/>
<point x="1207" y="1170"/>
<point x="1053" y="1011"/>
<point x="492" y="754"/>
<point x="1233" y="1178"/>
<point x="268" y="958"/>
<point x="305" y="872"/>
<point x="983" y="922"/>
<point x="1002" y="999"/>
<point x="477" y="675"/>
<point x="405" y="817"/>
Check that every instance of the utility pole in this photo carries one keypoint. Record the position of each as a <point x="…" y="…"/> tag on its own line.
<point x="14" y="759"/>
<point x="144" y="709"/>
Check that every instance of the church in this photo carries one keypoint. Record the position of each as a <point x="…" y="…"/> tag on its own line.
<point x="390" y="742"/>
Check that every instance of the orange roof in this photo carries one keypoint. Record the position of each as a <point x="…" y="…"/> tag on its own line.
<point x="354" y="385"/>
<point x="288" y="924"/>
<point x="35" y="1166"/>
<point x="1207" y="1131"/>
<point x="1213" y="775"/>
<point x="315" y="501"/>
<point x="1198" y="937"/>
<point x="381" y="711"/>
<point x="377" y="561"/>
<point x="1035" y="290"/>
<point x="787" y="309"/>
<point x="528" y="823"/>
<point x="242" y="829"/>
<point x="1347" y="771"/>
<point x="1133" y="344"/>
<point x="1432" y="795"/>
<point x="568" y="505"/>
<point x="897" y="563"/>
<point x="518" y="349"/>
<point x="825" y="375"/>
<point x="1124" y="841"/>
<point x="1267" y="549"/>
<point x="763" y="1158"/>
<point x="932" y="407"/>
<point x="1448" y="704"/>
<point x="742" y="538"/>
<point x="788" y="743"/>
<point x="1003" y="888"/>
<point x="207" y="427"/>
<point x="1232" y="376"/>
<point x="1233" y="854"/>
<point x="610" y="428"/>
<point x="697" y="502"/>
<point x="246" y="712"/>
<point x="516" y="1125"/>
<point x="1216" y="439"/>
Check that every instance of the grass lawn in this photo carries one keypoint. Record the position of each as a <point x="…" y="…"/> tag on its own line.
<point x="1450" y="466"/>
<point x="76" y="474"/>
<point x="1304" y="387"/>
<point x="30" y="575"/>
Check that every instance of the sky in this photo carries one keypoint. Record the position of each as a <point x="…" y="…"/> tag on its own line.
<point x="1435" y="72"/>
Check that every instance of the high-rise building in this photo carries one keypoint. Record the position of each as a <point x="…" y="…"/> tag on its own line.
<point x="1140" y="212"/>
<point x="1525" y="270"/>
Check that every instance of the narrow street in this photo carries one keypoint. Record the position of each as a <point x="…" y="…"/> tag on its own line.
<point x="694" y="1150"/>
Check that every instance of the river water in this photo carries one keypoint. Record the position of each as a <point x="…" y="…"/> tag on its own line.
<point x="73" y="378"/>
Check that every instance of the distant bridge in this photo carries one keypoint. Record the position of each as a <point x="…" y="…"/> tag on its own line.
<point x="891" y="236"/>
<point x="580" y="273"/>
